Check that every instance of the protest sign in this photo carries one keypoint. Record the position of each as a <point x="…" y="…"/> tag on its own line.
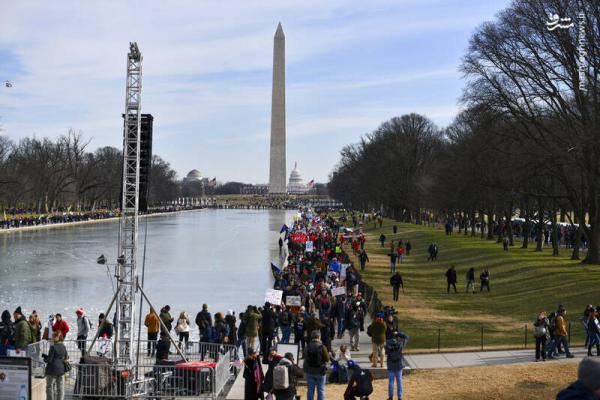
<point x="338" y="291"/>
<point x="273" y="296"/>
<point x="293" y="301"/>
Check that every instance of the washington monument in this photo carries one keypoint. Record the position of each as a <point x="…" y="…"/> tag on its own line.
<point x="277" y="170"/>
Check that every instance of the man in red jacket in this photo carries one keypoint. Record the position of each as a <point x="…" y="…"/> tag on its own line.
<point x="60" y="325"/>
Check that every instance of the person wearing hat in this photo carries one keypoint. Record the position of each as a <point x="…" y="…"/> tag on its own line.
<point x="7" y="332"/>
<point x="23" y="336"/>
<point x="253" y="377"/>
<point x="587" y="386"/>
<point x="294" y="373"/>
<point x="83" y="329"/>
<point x="273" y="359"/>
<point x="316" y="358"/>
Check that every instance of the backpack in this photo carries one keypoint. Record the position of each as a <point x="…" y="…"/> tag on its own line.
<point x="89" y="322"/>
<point x="314" y="355"/>
<point x="281" y="378"/>
<point x="552" y="322"/>
<point x="539" y="331"/>
<point x="364" y="383"/>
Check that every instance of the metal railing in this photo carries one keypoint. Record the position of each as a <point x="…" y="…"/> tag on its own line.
<point x="209" y="369"/>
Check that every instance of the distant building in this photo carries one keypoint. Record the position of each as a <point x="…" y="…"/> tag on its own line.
<point x="255" y="189"/>
<point x="296" y="184"/>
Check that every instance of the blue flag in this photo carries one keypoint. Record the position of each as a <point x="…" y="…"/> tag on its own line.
<point x="284" y="228"/>
<point x="275" y="270"/>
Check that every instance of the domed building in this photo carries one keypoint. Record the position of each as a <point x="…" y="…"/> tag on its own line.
<point x="193" y="176"/>
<point x="296" y="184"/>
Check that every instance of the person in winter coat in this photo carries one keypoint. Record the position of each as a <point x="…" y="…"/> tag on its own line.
<point x="294" y="373"/>
<point x="23" y="336"/>
<point x="363" y="258"/>
<point x="316" y="358"/>
<point x="484" y="279"/>
<point x="166" y="318"/>
<point x="451" y="278"/>
<point x="267" y="332"/>
<point x="300" y="331"/>
<point x="251" y="318"/>
<point x="377" y="333"/>
<point x="83" y="330"/>
<point x="105" y="327"/>
<point x="393" y="352"/>
<point x="408" y="248"/>
<point x="587" y="386"/>
<point x="253" y="377"/>
<point x="36" y="326"/>
<point x="55" y="368"/>
<point x="7" y="332"/>
<point x="471" y="280"/>
<point x="204" y="321"/>
<point x="396" y="283"/>
<point x="273" y="359"/>
<point x="593" y="332"/>
<point x="60" y="325"/>
<point x="560" y="332"/>
<point x="221" y="329"/>
<point x="231" y="322"/>
<point x="182" y="327"/>
<point x="540" y="333"/>
<point x="152" y="324"/>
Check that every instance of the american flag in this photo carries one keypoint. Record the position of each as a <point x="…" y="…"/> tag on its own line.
<point x="311" y="184"/>
<point x="212" y="182"/>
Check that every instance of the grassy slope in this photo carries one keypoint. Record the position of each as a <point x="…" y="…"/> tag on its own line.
<point x="523" y="282"/>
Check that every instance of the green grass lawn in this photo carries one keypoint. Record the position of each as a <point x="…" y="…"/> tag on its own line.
<point x="523" y="282"/>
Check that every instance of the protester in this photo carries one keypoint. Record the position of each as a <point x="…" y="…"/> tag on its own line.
<point x="470" y="280"/>
<point x="251" y="318"/>
<point x="152" y="324"/>
<point x="377" y="333"/>
<point x="273" y="360"/>
<point x="396" y="283"/>
<point x="7" y="333"/>
<point x="166" y="318"/>
<point x="451" y="278"/>
<point x="393" y="351"/>
<point x="393" y="256"/>
<point x="408" y="248"/>
<point x="36" y="326"/>
<point x="293" y="374"/>
<point x="560" y="332"/>
<point x="300" y="332"/>
<point x="484" y="279"/>
<point x="55" y="367"/>
<point x="22" y="336"/>
<point x="363" y="258"/>
<point x="105" y="327"/>
<point x="253" y="377"/>
<point x="316" y="358"/>
<point x="540" y="333"/>
<point x="382" y="240"/>
<point x="182" y="327"/>
<point x="587" y="386"/>
<point x="83" y="330"/>
<point x="60" y="325"/>
<point x="267" y="323"/>
<point x="360" y="384"/>
<point x="593" y="332"/>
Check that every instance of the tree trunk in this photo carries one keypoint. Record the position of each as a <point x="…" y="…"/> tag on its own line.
<point x="490" y="224"/>
<point x="555" y="251"/>
<point x="577" y="244"/>
<point x="540" y="228"/>
<point x="526" y="230"/>
<point x="481" y="215"/>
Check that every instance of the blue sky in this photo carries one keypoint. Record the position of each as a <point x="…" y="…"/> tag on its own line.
<point x="207" y="73"/>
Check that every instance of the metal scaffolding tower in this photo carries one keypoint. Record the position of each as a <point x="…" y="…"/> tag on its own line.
<point x="128" y="232"/>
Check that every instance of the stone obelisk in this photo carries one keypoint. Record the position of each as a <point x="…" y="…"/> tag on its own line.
<point x="277" y="169"/>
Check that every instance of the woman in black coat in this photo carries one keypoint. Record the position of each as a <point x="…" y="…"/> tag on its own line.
<point x="253" y="377"/>
<point x="55" y="368"/>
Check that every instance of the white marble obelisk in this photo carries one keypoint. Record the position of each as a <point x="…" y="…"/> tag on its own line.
<point x="277" y="174"/>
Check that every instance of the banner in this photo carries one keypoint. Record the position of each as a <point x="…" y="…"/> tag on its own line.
<point x="338" y="291"/>
<point x="293" y="301"/>
<point x="309" y="247"/>
<point x="273" y="296"/>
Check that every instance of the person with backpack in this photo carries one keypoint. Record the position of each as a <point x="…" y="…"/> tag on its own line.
<point x="393" y="351"/>
<point x="204" y="321"/>
<point x="285" y="378"/>
<point x="273" y="358"/>
<point x="83" y="330"/>
<point x="316" y="358"/>
<point x="551" y="345"/>
<point x="360" y="384"/>
<point x="540" y="333"/>
<point x="253" y="377"/>
<point x="22" y="336"/>
<point x="396" y="283"/>
<point x="55" y="367"/>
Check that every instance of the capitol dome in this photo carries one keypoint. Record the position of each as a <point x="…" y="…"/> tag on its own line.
<point x="296" y="183"/>
<point x="194" y="175"/>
